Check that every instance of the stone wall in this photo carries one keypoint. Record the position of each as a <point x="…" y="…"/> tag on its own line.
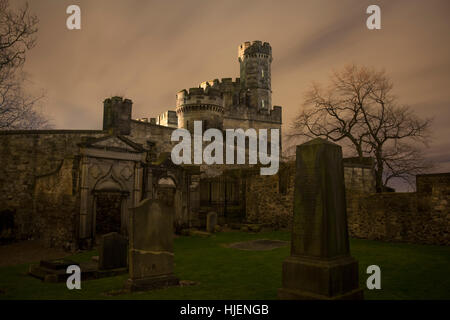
<point x="382" y="216"/>
<point x="25" y="155"/>
<point x="56" y="206"/>
<point x="421" y="217"/>
<point x="148" y="134"/>
<point x="404" y="217"/>
<point x="416" y="217"/>
<point x="30" y="160"/>
<point x="435" y="188"/>
<point x="269" y="199"/>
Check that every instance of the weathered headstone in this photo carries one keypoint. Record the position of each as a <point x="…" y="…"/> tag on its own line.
<point x="113" y="251"/>
<point x="320" y="265"/>
<point x="151" y="246"/>
<point x="211" y="221"/>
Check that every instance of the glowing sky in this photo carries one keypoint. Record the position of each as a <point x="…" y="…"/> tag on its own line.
<point x="148" y="50"/>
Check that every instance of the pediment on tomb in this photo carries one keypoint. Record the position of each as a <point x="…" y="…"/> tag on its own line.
<point x="114" y="143"/>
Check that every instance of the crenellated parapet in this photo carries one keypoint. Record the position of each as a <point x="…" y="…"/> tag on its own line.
<point x="223" y="85"/>
<point x="248" y="97"/>
<point x="254" y="49"/>
<point x="203" y="104"/>
<point x="117" y="115"/>
<point x="208" y="98"/>
<point x="230" y="90"/>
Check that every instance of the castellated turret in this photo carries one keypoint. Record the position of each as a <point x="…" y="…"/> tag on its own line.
<point x="245" y="102"/>
<point x="117" y="115"/>
<point x="255" y="59"/>
<point x="203" y="104"/>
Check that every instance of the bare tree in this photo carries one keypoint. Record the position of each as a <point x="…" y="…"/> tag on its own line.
<point x="18" y="109"/>
<point x="359" y="110"/>
<point x="404" y="162"/>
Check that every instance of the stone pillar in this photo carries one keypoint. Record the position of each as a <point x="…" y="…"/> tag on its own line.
<point x="320" y="265"/>
<point x="84" y="196"/>
<point x="149" y="186"/>
<point x="151" y="247"/>
<point x="137" y="188"/>
<point x="125" y="216"/>
<point x="194" y="200"/>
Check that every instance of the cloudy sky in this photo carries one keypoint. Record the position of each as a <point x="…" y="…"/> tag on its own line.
<point x="149" y="50"/>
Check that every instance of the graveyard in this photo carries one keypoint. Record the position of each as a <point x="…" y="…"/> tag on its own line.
<point x="314" y="259"/>
<point x="174" y="157"/>
<point x="408" y="272"/>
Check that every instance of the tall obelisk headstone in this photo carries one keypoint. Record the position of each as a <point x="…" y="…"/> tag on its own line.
<point x="151" y="246"/>
<point x="320" y="265"/>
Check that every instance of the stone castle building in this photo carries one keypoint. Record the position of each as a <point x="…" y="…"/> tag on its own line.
<point x="227" y="104"/>
<point x="67" y="186"/>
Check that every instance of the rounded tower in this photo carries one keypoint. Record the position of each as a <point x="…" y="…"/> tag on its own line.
<point x="200" y="104"/>
<point x="255" y="59"/>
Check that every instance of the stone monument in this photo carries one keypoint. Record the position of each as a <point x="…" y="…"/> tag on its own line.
<point x="320" y="265"/>
<point x="211" y="221"/>
<point x="113" y="251"/>
<point x="151" y="247"/>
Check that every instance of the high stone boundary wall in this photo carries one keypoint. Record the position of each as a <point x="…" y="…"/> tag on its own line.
<point x="25" y="156"/>
<point x="417" y="217"/>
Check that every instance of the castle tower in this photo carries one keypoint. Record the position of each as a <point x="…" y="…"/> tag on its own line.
<point x="203" y="104"/>
<point x="117" y="115"/>
<point x="255" y="59"/>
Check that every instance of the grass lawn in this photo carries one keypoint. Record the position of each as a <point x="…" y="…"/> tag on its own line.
<point x="407" y="272"/>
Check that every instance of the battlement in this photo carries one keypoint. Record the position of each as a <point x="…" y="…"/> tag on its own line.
<point x="221" y="84"/>
<point x="254" y="49"/>
<point x="168" y="119"/>
<point x="204" y="98"/>
<point x="117" y="115"/>
<point x="248" y="97"/>
<point x="117" y="101"/>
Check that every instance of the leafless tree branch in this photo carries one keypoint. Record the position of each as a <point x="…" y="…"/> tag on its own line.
<point x="359" y="109"/>
<point x="18" y="109"/>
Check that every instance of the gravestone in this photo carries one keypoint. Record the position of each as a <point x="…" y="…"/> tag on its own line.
<point x="320" y="265"/>
<point x="211" y="221"/>
<point x="113" y="251"/>
<point x="151" y="247"/>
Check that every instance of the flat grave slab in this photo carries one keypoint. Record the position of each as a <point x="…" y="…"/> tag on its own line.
<point x="55" y="270"/>
<point x="258" y="245"/>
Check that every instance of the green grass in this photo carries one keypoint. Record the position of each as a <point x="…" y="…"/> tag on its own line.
<point x="407" y="272"/>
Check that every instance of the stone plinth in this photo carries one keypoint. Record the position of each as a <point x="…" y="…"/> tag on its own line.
<point x="151" y="247"/>
<point x="320" y="265"/>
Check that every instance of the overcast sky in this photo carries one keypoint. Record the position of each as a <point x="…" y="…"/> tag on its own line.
<point x="149" y="50"/>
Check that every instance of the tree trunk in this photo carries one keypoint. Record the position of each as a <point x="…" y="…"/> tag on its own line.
<point x="379" y="174"/>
